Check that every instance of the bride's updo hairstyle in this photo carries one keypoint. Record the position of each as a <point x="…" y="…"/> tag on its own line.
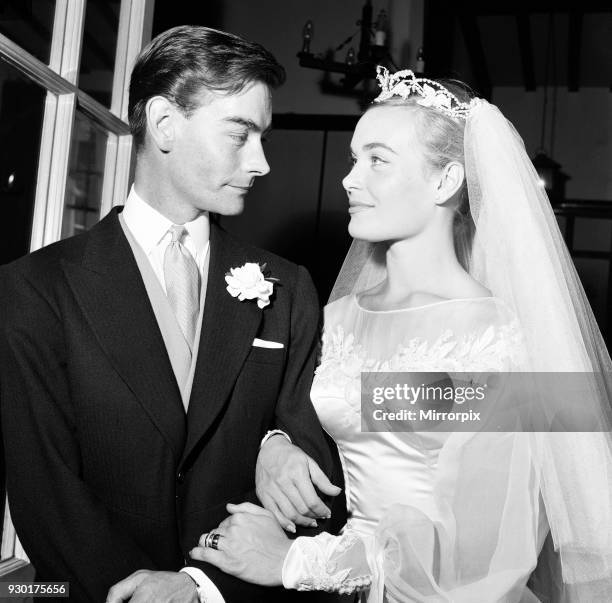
<point x="442" y="140"/>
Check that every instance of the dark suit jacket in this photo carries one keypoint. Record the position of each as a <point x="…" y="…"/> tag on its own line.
<point x="105" y="472"/>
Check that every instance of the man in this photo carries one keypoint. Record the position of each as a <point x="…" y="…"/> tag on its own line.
<point x="136" y="383"/>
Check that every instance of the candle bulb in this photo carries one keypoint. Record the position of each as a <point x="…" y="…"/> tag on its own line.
<point x="307" y="36"/>
<point x="380" y="34"/>
<point x="420" y="66"/>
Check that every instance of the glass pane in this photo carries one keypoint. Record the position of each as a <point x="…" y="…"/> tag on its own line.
<point x="85" y="174"/>
<point x="99" y="47"/>
<point x="21" y="117"/>
<point x="29" y="23"/>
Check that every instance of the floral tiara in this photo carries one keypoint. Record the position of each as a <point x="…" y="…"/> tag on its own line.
<point x="404" y="83"/>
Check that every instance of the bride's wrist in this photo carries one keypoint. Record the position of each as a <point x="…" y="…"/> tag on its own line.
<point x="290" y="568"/>
<point x="274" y="437"/>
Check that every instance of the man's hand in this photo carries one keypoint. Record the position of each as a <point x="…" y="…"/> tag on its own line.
<point x="252" y="546"/>
<point x="285" y="477"/>
<point x="145" y="586"/>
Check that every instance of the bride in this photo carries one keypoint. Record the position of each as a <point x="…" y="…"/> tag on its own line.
<point x="457" y="267"/>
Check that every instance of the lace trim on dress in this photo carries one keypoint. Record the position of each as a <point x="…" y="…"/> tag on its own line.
<point x="497" y="348"/>
<point x="330" y="564"/>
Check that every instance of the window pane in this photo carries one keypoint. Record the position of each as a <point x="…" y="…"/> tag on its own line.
<point x="85" y="173"/>
<point x="29" y="23"/>
<point x="21" y="116"/>
<point x="99" y="47"/>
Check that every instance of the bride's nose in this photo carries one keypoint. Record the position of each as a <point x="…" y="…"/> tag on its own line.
<point x="351" y="180"/>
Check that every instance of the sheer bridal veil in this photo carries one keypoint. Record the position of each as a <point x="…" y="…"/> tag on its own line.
<point x="518" y="253"/>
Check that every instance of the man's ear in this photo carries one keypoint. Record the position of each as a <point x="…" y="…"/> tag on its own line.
<point x="161" y="117"/>
<point x="449" y="181"/>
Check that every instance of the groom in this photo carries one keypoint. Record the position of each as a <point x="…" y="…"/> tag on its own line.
<point x="136" y="386"/>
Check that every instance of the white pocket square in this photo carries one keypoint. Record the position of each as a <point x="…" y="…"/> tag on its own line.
<point x="262" y="343"/>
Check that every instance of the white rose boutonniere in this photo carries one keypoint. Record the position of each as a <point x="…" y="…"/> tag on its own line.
<point x="249" y="282"/>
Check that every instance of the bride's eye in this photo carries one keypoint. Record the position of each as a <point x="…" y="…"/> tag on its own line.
<point x="352" y="160"/>
<point x="376" y="160"/>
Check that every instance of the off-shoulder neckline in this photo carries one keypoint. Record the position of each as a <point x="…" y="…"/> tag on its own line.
<point x="445" y="301"/>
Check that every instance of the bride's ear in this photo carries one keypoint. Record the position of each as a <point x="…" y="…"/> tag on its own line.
<point x="449" y="181"/>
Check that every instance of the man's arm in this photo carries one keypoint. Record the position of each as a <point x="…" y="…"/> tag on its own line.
<point x="65" y="530"/>
<point x="287" y="474"/>
<point x="295" y="414"/>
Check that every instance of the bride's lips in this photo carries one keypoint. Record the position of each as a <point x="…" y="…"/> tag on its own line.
<point x="356" y="207"/>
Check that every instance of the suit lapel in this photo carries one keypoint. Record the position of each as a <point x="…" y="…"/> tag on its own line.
<point x="109" y="288"/>
<point x="228" y="329"/>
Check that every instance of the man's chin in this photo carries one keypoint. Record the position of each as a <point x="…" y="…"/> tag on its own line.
<point x="233" y="209"/>
<point x="230" y="205"/>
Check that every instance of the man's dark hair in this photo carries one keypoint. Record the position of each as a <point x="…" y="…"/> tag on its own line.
<point x="183" y="61"/>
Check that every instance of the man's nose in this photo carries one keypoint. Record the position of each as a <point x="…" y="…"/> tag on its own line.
<point x="257" y="164"/>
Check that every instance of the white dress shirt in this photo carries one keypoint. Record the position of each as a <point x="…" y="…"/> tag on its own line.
<point x="151" y="230"/>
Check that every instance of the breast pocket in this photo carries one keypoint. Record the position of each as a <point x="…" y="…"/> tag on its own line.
<point x="257" y="387"/>
<point x="266" y="355"/>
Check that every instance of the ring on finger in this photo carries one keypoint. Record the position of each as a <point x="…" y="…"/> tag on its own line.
<point x="208" y="539"/>
<point x="211" y="540"/>
<point x="214" y="543"/>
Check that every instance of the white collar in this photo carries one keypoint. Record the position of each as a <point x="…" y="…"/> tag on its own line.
<point x="149" y="227"/>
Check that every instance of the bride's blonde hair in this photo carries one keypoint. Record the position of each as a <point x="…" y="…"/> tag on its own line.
<point x="441" y="137"/>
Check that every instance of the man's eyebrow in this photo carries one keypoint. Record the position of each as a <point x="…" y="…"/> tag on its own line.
<point x="248" y="123"/>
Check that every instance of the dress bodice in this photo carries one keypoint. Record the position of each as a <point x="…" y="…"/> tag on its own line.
<point x="386" y="468"/>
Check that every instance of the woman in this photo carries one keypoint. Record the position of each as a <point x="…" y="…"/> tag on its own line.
<point x="458" y="267"/>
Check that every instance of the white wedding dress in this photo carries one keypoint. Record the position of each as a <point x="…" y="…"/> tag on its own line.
<point x="432" y="516"/>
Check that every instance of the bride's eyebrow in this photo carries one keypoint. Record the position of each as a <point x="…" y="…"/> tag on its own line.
<point x="378" y="145"/>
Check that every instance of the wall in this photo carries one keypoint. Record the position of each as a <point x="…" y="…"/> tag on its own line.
<point x="278" y="26"/>
<point x="583" y="134"/>
<point x="281" y="212"/>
